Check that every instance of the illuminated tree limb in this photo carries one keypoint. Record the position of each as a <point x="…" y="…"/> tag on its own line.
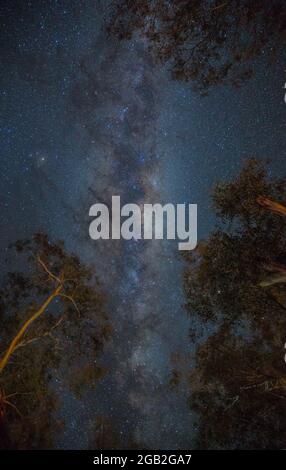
<point x="271" y="205"/>
<point x="36" y="338"/>
<point x="48" y="271"/>
<point x="19" y="335"/>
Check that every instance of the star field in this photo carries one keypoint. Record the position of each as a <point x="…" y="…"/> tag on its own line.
<point x="84" y="118"/>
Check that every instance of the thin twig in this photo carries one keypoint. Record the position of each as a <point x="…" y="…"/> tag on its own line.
<point x="53" y="276"/>
<point x="72" y="300"/>
<point x="14" y="407"/>
<point x="36" y="338"/>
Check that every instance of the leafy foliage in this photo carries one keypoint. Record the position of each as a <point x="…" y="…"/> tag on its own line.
<point x="238" y="386"/>
<point x="70" y="330"/>
<point x="205" y="42"/>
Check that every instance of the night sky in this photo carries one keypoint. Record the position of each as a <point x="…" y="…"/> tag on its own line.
<point x="84" y="117"/>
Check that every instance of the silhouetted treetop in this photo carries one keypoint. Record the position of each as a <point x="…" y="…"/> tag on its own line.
<point x="205" y="42"/>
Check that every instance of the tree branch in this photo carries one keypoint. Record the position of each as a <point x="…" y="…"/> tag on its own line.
<point x="20" y="334"/>
<point x="48" y="271"/>
<point x="36" y="338"/>
<point x="271" y="205"/>
<point x="72" y="300"/>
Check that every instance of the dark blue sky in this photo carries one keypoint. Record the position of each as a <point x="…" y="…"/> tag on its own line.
<point x="83" y="118"/>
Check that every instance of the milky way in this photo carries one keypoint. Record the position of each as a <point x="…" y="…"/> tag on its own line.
<point x="117" y="104"/>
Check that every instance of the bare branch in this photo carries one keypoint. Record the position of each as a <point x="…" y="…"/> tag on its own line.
<point x="234" y="401"/>
<point x="4" y="360"/>
<point x="17" y="393"/>
<point x="36" y="338"/>
<point x="72" y="300"/>
<point x="48" y="271"/>
<point x="13" y="406"/>
<point x="218" y="7"/>
<point x="271" y="205"/>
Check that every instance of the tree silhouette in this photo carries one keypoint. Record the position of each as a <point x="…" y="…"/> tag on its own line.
<point x="238" y="392"/>
<point x="205" y="42"/>
<point x="53" y="319"/>
<point x="238" y="384"/>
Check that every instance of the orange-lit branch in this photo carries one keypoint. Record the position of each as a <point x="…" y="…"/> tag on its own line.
<point x="271" y="205"/>
<point x="21" y="332"/>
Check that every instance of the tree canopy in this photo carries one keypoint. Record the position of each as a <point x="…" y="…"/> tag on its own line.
<point x="238" y="383"/>
<point x="205" y="42"/>
<point x="53" y="323"/>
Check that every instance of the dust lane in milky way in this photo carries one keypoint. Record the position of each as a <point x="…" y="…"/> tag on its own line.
<point x="117" y="104"/>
